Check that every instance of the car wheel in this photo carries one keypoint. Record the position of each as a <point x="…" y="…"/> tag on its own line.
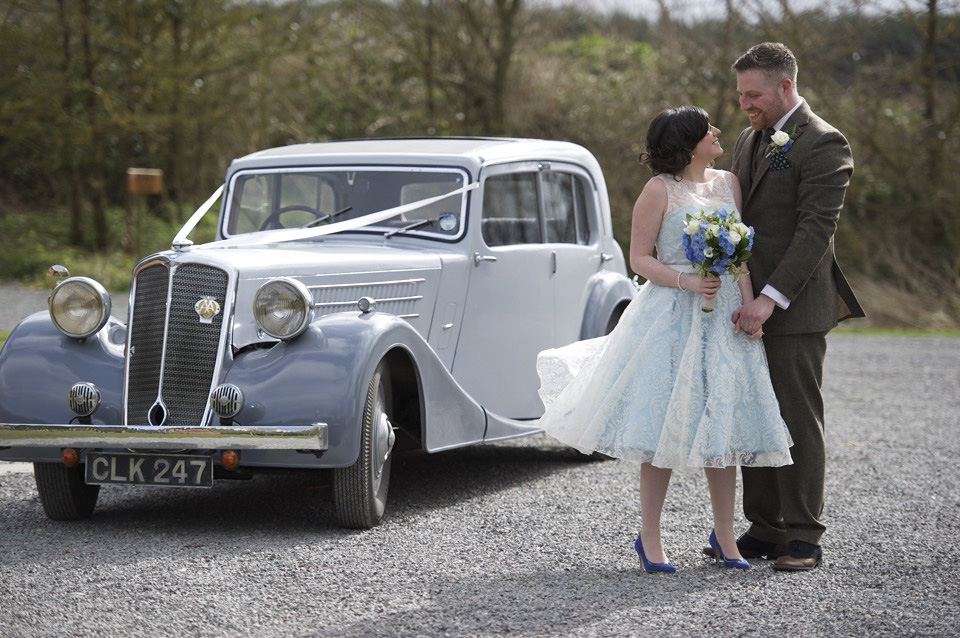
<point x="360" y="491"/>
<point x="615" y="318"/>
<point x="63" y="493"/>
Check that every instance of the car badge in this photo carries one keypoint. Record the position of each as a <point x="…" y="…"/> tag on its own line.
<point x="207" y="308"/>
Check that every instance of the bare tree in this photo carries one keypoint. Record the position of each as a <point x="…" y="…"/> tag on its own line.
<point x="69" y="134"/>
<point x="97" y="176"/>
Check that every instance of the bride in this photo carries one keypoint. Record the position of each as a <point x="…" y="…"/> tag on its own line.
<point x="672" y="387"/>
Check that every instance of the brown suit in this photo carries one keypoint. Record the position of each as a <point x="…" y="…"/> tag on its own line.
<point x="794" y="212"/>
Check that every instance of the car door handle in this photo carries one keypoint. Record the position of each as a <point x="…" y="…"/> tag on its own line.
<point x="477" y="258"/>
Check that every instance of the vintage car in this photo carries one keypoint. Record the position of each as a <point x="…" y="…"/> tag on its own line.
<point x="360" y="295"/>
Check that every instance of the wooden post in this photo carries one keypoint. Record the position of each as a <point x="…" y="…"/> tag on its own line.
<point x="140" y="181"/>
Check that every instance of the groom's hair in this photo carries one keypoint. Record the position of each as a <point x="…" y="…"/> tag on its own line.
<point x="773" y="58"/>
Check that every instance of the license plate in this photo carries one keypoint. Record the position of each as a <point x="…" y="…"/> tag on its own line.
<point x="170" y="470"/>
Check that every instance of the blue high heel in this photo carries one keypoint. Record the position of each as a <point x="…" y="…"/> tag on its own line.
<point x="723" y="561"/>
<point x="649" y="567"/>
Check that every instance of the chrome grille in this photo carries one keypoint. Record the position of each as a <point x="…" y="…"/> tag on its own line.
<point x="146" y="342"/>
<point x="192" y="346"/>
<point x="185" y="370"/>
<point x="398" y="297"/>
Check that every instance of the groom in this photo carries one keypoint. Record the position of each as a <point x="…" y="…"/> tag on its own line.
<point x="793" y="187"/>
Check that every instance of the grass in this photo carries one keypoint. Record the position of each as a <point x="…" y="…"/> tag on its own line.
<point x="35" y="240"/>
<point x="31" y="242"/>
<point x="3" y="337"/>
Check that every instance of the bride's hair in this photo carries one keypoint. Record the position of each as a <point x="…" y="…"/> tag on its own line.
<point x="671" y="138"/>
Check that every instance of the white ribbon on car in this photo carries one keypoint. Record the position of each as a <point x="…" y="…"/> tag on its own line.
<point x="294" y="234"/>
<point x="181" y="241"/>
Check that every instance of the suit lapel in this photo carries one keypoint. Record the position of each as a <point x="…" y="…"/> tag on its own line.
<point x="799" y="119"/>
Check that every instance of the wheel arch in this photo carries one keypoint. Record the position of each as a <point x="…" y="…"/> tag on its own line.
<point x="406" y="386"/>
<point x="610" y="294"/>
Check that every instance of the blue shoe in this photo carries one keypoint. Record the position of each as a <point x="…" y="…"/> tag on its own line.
<point x="649" y="567"/>
<point x="723" y="561"/>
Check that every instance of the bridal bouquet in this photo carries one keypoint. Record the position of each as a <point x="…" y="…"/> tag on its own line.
<point x="717" y="243"/>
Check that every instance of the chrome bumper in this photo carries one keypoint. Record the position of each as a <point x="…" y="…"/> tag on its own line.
<point x="294" y="437"/>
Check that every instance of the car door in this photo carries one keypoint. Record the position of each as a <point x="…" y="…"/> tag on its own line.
<point x="509" y="312"/>
<point x="571" y="234"/>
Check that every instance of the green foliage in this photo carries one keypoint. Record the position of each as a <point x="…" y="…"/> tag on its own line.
<point x="187" y="85"/>
<point x="33" y="241"/>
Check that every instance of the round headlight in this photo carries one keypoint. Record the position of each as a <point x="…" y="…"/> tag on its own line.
<point x="79" y="307"/>
<point x="282" y="308"/>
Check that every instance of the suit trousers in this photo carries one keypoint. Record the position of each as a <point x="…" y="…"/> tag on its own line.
<point x="785" y="503"/>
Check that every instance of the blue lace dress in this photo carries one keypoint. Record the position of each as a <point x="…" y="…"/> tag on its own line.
<point x="671" y="385"/>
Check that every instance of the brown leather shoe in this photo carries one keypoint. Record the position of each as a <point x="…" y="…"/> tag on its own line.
<point x="800" y="557"/>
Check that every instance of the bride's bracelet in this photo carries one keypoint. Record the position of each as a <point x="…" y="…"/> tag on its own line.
<point x="680" y="274"/>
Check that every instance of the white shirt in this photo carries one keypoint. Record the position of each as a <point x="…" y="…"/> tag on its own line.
<point x="769" y="290"/>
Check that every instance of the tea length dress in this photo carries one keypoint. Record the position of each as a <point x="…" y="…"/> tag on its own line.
<point x="671" y="385"/>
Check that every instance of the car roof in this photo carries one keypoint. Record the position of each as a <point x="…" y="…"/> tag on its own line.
<point x="466" y="152"/>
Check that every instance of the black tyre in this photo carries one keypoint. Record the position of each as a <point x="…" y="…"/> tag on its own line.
<point x="360" y="491"/>
<point x="614" y="318"/>
<point x="63" y="494"/>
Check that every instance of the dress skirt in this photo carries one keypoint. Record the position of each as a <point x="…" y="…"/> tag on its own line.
<point x="671" y="385"/>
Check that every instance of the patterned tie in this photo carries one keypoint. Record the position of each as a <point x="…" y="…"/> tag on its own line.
<point x="762" y="147"/>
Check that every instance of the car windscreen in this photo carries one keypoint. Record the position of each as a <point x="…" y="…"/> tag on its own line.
<point x="274" y="199"/>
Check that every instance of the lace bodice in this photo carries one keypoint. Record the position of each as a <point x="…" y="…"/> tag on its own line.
<point x="685" y="197"/>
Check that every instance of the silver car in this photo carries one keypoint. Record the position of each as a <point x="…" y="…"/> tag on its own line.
<point x="361" y="296"/>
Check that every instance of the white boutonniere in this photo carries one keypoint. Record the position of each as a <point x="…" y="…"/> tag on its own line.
<point x="780" y="144"/>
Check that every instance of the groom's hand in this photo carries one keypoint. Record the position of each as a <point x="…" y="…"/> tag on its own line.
<point x="750" y="317"/>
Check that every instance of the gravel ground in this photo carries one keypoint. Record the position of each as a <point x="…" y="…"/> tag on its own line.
<point x="522" y="538"/>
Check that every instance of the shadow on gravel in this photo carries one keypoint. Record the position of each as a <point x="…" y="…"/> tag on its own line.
<point x="286" y="509"/>
<point x="572" y="602"/>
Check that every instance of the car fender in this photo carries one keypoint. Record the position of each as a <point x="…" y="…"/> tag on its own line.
<point x="610" y="292"/>
<point x="322" y="376"/>
<point x="39" y="365"/>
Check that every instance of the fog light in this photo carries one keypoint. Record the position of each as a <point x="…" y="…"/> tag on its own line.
<point x="83" y="399"/>
<point x="230" y="459"/>
<point x="226" y="401"/>
<point x="70" y="457"/>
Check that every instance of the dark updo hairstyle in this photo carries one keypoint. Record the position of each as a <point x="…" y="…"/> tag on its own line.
<point x="672" y="137"/>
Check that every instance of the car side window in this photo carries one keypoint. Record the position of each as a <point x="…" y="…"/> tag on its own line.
<point x="580" y="200"/>
<point x="564" y="208"/>
<point x="560" y="225"/>
<point x="510" y="210"/>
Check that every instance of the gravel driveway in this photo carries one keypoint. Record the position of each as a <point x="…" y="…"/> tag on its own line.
<point x="522" y="538"/>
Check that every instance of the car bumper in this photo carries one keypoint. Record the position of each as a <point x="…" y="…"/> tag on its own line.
<point x="295" y="437"/>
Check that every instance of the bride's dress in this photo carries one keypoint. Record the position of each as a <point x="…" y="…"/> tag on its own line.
<point x="671" y="385"/>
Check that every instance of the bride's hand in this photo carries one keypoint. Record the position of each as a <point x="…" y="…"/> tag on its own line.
<point x="707" y="287"/>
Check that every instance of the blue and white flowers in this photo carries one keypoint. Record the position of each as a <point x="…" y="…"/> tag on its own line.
<point x="717" y="243"/>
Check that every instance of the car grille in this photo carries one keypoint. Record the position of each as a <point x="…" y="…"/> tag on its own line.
<point x="398" y="297"/>
<point x="181" y="373"/>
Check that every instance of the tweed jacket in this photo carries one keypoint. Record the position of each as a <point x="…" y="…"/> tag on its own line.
<point x="794" y="210"/>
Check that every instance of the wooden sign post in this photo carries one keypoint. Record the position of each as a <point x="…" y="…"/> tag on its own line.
<point x="141" y="181"/>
